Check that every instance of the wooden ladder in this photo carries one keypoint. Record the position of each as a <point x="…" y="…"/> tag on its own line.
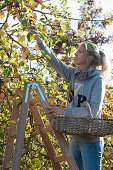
<point x="28" y="101"/>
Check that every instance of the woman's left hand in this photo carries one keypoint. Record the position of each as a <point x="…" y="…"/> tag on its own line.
<point x="54" y="111"/>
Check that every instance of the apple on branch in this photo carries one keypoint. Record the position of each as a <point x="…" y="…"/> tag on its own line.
<point x="1" y="32"/>
<point x="2" y="14"/>
<point x="2" y="96"/>
<point x="22" y="38"/>
<point x="6" y="25"/>
<point x="39" y="1"/>
<point x="34" y="5"/>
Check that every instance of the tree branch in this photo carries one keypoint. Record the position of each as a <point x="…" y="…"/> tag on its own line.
<point x="15" y="40"/>
<point x="5" y="20"/>
<point x="77" y="19"/>
<point x="3" y="6"/>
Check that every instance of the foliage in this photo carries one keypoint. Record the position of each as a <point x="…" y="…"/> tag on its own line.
<point x="21" y="61"/>
<point x="108" y="140"/>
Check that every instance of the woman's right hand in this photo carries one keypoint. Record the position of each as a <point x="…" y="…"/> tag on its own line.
<point x="36" y="33"/>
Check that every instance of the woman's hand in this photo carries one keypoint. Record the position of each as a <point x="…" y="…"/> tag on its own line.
<point x="54" y="111"/>
<point x="36" y="34"/>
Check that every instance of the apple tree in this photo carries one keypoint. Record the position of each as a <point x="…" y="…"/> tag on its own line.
<point x="21" y="61"/>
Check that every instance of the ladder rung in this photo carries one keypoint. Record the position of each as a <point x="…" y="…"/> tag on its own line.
<point x="47" y="129"/>
<point x="60" y="159"/>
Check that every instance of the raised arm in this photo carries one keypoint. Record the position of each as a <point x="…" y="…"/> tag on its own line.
<point x="64" y="70"/>
<point x="38" y="39"/>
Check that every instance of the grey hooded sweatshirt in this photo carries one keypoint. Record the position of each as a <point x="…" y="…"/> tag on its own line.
<point x="91" y="90"/>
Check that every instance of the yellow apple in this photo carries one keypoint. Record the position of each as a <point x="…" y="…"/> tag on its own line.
<point x="47" y="123"/>
<point x="52" y="102"/>
<point x="6" y="80"/>
<point x="44" y="30"/>
<point x="6" y="25"/>
<point x="15" y="80"/>
<point x="23" y="9"/>
<point x="34" y="5"/>
<point x="39" y="1"/>
<point x="34" y="15"/>
<point x="21" y="63"/>
<point x="36" y="48"/>
<point x="1" y="32"/>
<point x="2" y="14"/>
<point x="16" y="74"/>
<point x="22" y="38"/>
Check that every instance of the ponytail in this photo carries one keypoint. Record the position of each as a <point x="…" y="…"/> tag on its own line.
<point x="102" y="62"/>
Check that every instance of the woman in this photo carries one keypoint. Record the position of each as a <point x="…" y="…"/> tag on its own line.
<point x="86" y="84"/>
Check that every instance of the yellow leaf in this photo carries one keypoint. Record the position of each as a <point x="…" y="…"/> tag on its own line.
<point x="61" y="31"/>
<point x="29" y="9"/>
<point x="13" y="60"/>
<point x="86" y="46"/>
<point x="63" y="45"/>
<point x="59" y="97"/>
<point x="72" y="49"/>
<point x="65" y="87"/>
<point x="112" y="139"/>
<point x="12" y="121"/>
<point x="48" y="56"/>
<point x="80" y="32"/>
<point x="40" y="76"/>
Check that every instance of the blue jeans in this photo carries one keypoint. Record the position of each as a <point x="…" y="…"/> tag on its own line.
<point x="88" y="156"/>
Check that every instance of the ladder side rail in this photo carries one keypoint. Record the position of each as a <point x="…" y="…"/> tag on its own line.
<point x="11" y="134"/>
<point x="21" y="131"/>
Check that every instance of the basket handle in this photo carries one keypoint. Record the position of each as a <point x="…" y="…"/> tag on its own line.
<point x="86" y="104"/>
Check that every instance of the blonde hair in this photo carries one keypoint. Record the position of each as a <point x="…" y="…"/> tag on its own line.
<point x="99" y="59"/>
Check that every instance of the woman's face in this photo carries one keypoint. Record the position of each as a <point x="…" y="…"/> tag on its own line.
<point x="81" y="58"/>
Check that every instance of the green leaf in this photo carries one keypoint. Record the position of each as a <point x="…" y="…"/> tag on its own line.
<point x="40" y="26"/>
<point x="32" y="27"/>
<point x="6" y="72"/>
<point x="42" y="19"/>
<point x="65" y="2"/>
<point x="43" y="7"/>
<point x="21" y="17"/>
<point x="42" y="36"/>
<point x="1" y="135"/>
<point x="3" y="42"/>
<point x="24" y="21"/>
<point x="92" y="29"/>
<point x="76" y="45"/>
<point x="29" y="36"/>
<point x="79" y="1"/>
<point x="16" y="64"/>
<point x="22" y="2"/>
<point x="111" y="18"/>
<point x="1" y="62"/>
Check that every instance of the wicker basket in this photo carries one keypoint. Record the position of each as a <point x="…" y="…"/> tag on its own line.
<point x="83" y="126"/>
